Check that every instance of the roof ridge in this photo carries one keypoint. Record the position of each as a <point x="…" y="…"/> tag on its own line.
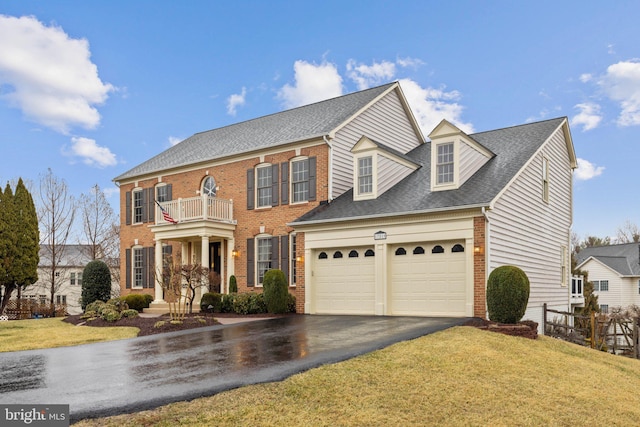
<point x="520" y="125"/>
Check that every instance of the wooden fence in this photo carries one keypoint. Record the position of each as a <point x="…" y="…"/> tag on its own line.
<point x="18" y="309"/>
<point x="615" y="333"/>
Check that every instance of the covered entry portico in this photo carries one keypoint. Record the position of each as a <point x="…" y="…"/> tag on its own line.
<point x="208" y="241"/>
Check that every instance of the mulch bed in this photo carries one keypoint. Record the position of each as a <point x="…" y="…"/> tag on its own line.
<point x="147" y="324"/>
<point x="525" y="329"/>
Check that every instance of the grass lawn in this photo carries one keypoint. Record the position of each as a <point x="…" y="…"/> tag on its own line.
<point x="53" y="332"/>
<point x="461" y="376"/>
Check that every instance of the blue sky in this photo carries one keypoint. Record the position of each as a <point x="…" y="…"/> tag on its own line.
<point x="91" y="89"/>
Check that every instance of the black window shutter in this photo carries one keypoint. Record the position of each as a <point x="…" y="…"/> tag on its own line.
<point x="284" y="256"/>
<point x="274" y="252"/>
<point x="145" y="215"/>
<point x="284" y="192"/>
<point x="169" y="192"/>
<point x="250" y="184"/>
<point x="250" y="264"/>
<point x="127" y="209"/>
<point x="275" y="188"/>
<point x="149" y="267"/>
<point x="151" y="201"/>
<point x="127" y="268"/>
<point x="312" y="179"/>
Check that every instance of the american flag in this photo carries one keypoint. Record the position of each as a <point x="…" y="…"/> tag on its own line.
<point x="165" y="214"/>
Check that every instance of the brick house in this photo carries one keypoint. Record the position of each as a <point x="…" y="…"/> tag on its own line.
<point x="361" y="213"/>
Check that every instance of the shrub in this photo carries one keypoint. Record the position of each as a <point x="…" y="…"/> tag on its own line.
<point x="257" y="304"/>
<point x="211" y="302"/>
<point x="148" y="299"/>
<point x="275" y="291"/>
<point x="233" y="285"/>
<point x="227" y="303"/>
<point x="95" y="307"/>
<point x="110" y="315"/>
<point x="96" y="283"/>
<point x="507" y="294"/>
<point x="291" y="303"/>
<point x="242" y="303"/>
<point x="130" y="313"/>
<point x="136" y="302"/>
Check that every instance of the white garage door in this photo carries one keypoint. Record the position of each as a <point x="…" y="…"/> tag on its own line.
<point x="428" y="279"/>
<point x="344" y="281"/>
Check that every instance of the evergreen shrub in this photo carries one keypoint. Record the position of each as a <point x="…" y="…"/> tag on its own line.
<point x="507" y="294"/>
<point x="275" y="291"/>
<point x="211" y="302"/>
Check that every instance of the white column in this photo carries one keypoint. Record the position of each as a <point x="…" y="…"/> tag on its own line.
<point x="158" y="276"/>
<point x="204" y="261"/>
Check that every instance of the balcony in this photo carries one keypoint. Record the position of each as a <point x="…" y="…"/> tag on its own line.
<point x="577" y="290"/>
<point x="201" y="208"/>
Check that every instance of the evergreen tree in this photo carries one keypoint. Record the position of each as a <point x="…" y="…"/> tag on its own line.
<point x="8" y="238"/>
<point x="96" y="283"/>
<point x="28" y="238"/>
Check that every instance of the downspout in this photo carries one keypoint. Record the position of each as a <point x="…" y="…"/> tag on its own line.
<point x="330" y="168"/>
<point x="487" y="240"/>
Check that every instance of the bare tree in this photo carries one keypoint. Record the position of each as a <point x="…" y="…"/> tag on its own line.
<point x="180" y="283"/>
<point x="100" y="229"/>
<point x="628" y="233"/>
<point x="56" y="214"/>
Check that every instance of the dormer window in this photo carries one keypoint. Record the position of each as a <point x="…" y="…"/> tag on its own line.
<point x="444" y="164"/>
<point x="365" y="175"/>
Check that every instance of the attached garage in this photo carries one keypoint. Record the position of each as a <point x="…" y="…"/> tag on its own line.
<point x="428" y="279"/>
<point x="344" y="281"/>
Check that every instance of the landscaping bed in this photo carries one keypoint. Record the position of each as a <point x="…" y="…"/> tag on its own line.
<point x="525" y="329"/>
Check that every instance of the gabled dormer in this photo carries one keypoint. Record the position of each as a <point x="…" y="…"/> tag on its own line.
<point x="376" y="168"/>
<point x="455" y="157"/>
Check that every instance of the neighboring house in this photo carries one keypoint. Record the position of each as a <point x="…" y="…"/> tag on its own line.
<point x="362" y="215"/>
<point x="615" y="273"/>
<point x="68" y="278"/>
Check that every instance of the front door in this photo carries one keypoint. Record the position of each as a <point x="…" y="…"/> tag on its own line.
<point x="215" y="263"/>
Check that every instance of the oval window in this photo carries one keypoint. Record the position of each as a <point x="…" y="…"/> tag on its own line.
<point x="369" y="252"/>
<point x="209" y="187"/>
<point x="337" y="254"/>
<point x="457" y="248"/>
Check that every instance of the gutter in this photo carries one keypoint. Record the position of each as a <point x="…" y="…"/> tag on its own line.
<point x="330" y="168"/>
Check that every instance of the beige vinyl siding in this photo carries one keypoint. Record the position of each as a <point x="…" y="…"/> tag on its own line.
<point x="385" y="122"/>
<point x="529" y="233"/>
<point x="470" y="161"/>
<point x="615" y="296"/>
<point x="390" y="173"/>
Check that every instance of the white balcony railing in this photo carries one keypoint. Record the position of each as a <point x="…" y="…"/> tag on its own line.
<point x="202" y="208"/>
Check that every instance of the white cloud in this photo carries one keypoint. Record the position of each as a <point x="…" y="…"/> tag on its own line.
<point x="236" y="100"/>
<point x="589" y="116"/>
<point x="586" y="77"/>
<point x="431" y="105"/>
<point x="409" y="62"/>
<point x="366" y="76"/>
<point x="50" y="75"/>
<point x="587" y="170"/>
<point x="91" y="153"/>
<point x="173" y="140"/>
<point x="313" y="83"/>
<point x="621" y="83"/>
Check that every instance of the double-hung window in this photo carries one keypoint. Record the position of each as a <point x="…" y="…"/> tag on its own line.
<point x="162" y="193"/>
<point x="300" y="180"/>
<point x="138" y="203"/>
<point x="264" y="257"/>
<point x="365" y="175"/>
<point x="444" y="164"/>
<point x="601" y="285"/>
<point x="264" y="185"/>
<point x="138" y="267"/>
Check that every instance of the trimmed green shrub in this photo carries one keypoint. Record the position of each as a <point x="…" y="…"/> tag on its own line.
<point x="257" y="304"/>
<point x="291" y="303"/>
<point x="233" y="285"/>
<point x="110" y="315"/>
<point x="242" y="303"/>
<point x="227" y="303"/>
<point x="137" y="302"/>
<point x="96" y="283"/>
<point x="148" y="299"/>
<point x="96" y="307"/>
<point x="507" y="294"/>
<point x="129" y="313"/>
<point x="211" y="302"/>
<point x="275" y="291"/>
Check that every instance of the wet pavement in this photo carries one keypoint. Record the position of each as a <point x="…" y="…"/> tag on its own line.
<point x="130" y="375"/>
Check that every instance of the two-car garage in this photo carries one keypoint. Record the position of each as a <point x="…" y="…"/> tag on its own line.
<point x="418" y="279"/>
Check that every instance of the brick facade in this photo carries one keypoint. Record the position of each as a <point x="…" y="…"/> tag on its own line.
<point x="231" y="181"/>
<point x="479" y="267"/>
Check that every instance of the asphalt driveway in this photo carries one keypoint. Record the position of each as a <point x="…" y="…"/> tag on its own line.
<point x="142" y="373"/>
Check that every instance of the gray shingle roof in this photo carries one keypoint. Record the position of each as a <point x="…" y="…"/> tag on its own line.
<point x="624" y="258"/>
<point x="309" y="121"/>
<point x="513" y="147"/>
<point x="72" y="255"/>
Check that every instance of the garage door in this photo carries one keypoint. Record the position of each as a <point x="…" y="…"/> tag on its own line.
<point x="428" y="279"/>
<point x="344" y="281"/>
